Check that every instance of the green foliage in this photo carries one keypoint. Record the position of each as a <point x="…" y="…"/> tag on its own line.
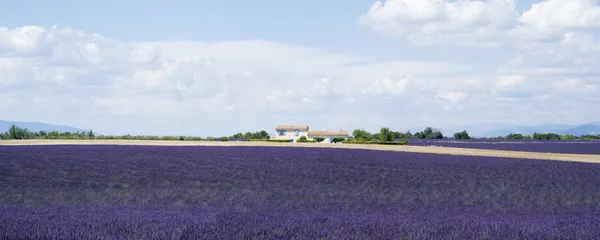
<point x="546" y="136"/>
<point x="386" y="135"/>
<point x="589" y="137"/>
<point x="304" y="139"/>
<point x="402" y="142"/>
<point x="251" y="135"/>
<point x="269" y="140"/>
<point x="567" y="137"/>
<point x="357" y="141"/>
<point x="361" y="134"/>
<point x="354" y="141"/>
<point x="462" y="135"/>
<point x="429" y="133"/>
<point x="376" y="136"/>
<point x="406" y="135"/>
<point x="515" y="136"/>
<point x="238" y="136"/>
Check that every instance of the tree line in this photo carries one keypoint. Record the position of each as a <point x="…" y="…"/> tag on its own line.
<point x="15" y="132"/>
<point x="385" y="135"/>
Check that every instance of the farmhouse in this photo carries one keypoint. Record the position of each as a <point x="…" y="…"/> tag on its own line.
<point x="293" y="132"/>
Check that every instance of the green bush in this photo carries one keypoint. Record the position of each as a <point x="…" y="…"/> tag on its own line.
<point x="354" y="141"/>
<point x="303" y="139"/>
<point x="392" y="143"/>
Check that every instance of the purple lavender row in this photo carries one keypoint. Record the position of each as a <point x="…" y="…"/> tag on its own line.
<point x="575" y="147"/>
<point x="71" y="222"/>
<point x="120" y="192"/>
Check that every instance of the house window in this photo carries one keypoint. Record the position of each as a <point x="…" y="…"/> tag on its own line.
<point x="297" y="132"/>
<point x="280" y="133"/>
<point x="284" y="132"/>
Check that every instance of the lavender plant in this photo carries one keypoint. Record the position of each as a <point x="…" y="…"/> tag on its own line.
<point x="147" y="192"/>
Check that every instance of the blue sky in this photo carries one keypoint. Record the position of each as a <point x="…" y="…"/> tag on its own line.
<point x="197" y="67"/>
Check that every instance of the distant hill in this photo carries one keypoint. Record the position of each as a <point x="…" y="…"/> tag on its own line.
<point x="36" y="127"/>
<point x="588" y="128"/>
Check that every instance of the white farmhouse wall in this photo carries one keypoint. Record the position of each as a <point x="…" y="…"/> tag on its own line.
<point x="290" y="134"/>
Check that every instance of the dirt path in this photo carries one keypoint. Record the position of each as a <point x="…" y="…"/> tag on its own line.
<point x="418" y="149"/>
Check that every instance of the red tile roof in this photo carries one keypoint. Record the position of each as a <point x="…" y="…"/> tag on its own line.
<point x="292" y="127"/>
<point x="340" y="133"/>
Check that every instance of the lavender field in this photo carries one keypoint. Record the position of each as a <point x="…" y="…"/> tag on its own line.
<point x="574" y="147"/>
<point x="153" y="192"/>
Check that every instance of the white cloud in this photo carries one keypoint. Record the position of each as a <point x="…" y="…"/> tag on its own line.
<point x="488" y="23"/>
<point x="577" y="86"/>
<point x="426" y="22"/>
<point x="553" y="16"/>
<point x="585" y="42"/>
<point x="389" y="86"/>
<point x="71" y="77"/>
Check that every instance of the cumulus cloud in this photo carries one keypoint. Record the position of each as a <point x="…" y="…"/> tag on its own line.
<point x="426" y="22"/>
<point x="67" y="76"/>
<point x="561" y="15"/>
<point x="488" y="23"/>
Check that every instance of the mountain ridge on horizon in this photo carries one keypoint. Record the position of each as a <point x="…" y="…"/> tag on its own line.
<point x="592" y="128"/>
<point x="39" y="126"/>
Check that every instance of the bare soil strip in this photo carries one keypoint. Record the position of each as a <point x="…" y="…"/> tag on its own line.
<point x="417" y="149"/>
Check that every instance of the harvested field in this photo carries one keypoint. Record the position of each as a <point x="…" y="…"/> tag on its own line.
<point x="592" y="158"/>
<point x="207" y="192"/>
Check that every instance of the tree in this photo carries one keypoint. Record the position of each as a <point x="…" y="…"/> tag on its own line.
<point x="376" y="136"/>
<point x="238" y="136"/>
<point x="15" y="132"/>
<point x="546" y="136"/>
<point x="568" y="137"/>
<point x="386" y="135"/>
<point x="263" y="134"/>
<point x="405" y="135"/>
<point x="427" y="132"/>
<point x="462" y="135"/>
<point x="360" y="134"/>
<point x="420" y="135"/>
<point x="436" y="135"/>
<point x="514" y="136"/>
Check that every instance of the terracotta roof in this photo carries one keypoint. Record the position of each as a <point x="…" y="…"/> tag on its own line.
<point x="340" y="133"/>
<point x="292" y="127"/>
